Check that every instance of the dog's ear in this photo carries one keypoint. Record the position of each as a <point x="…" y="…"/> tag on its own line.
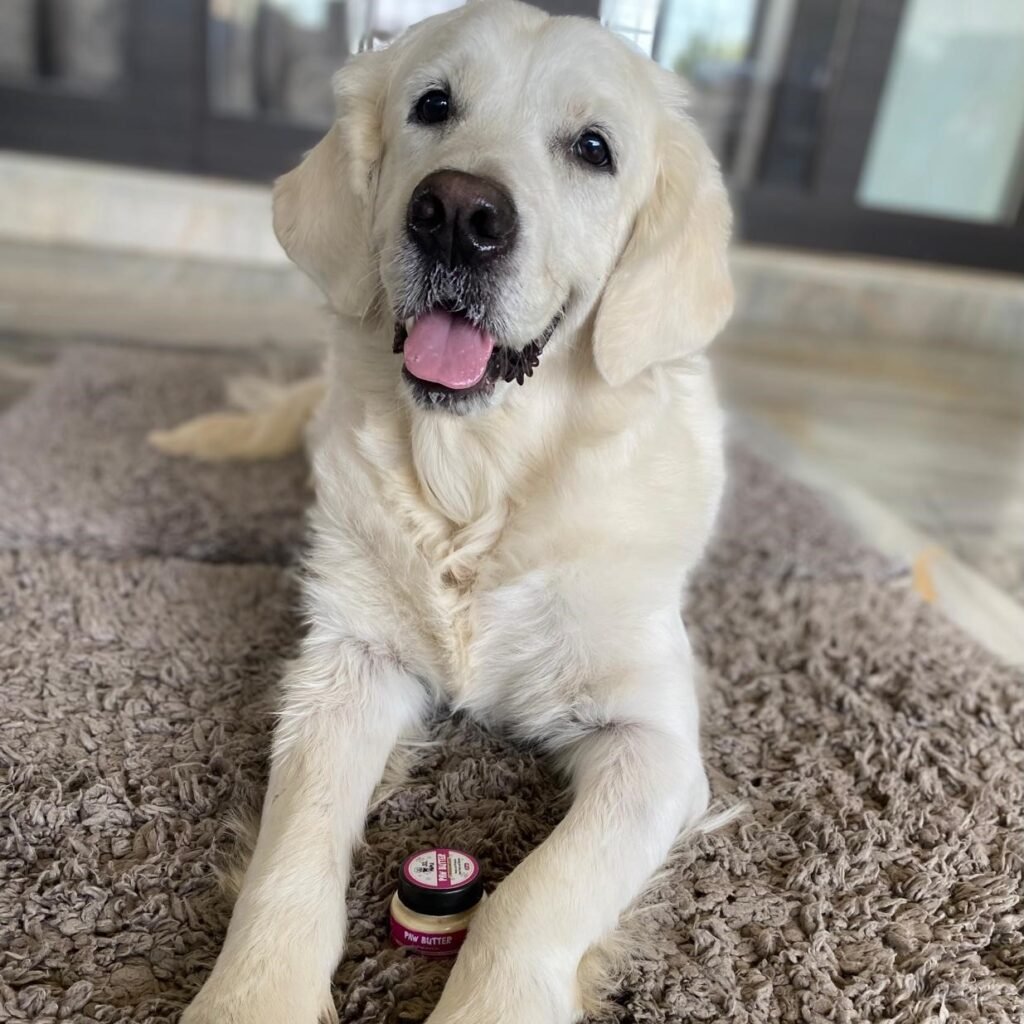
<point x="322" y="208"/>
<point x="671" y="292"/>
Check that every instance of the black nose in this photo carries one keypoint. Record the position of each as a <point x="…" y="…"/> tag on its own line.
<point x="460" y="219"/>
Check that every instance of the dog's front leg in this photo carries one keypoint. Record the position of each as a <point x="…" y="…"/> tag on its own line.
<point x="342" y="713"/>
<point x="636" y="785"/>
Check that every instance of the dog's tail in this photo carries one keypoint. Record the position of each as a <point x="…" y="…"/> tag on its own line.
<point x="270" y="422"/>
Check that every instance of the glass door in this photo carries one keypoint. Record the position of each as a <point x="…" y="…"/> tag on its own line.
<point x="888" y="127"/>
<point x="896" y="128"/>
<point x="948" y="138"/>
<point x="103" y="79"/>
<point x="269" y="69"/>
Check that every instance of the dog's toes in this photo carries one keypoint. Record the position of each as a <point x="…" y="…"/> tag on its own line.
<point x="260" y="1008"/>
<point x="328" y="1015"/>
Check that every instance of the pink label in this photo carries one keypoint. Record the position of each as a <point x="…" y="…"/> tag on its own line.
<point x="441" y="868"/>
<point x="424" y="943"/>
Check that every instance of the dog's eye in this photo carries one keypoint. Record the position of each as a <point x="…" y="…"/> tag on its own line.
<point x="591" y="148"/>
<point x="433" y="107"/>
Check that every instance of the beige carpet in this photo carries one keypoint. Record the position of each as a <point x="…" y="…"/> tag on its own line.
<point x="145" y="605"/>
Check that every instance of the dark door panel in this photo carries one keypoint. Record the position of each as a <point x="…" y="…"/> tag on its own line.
<point x="141" y="109"/>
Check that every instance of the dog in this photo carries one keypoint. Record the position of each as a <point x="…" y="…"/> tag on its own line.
<point x="518" y="461"/>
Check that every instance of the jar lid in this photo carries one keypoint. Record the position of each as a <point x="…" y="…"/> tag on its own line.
<point x="440" y="881"/>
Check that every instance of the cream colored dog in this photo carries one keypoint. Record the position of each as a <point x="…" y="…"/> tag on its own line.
<point x="518" y="462"/>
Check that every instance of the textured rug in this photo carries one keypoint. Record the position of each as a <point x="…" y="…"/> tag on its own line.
<point x="78" y="474"/>
<point x="146" y="605"/>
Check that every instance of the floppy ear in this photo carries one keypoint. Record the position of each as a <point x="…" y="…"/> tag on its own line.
<point x="322" y="208"/>
<point x="671" y="292"/>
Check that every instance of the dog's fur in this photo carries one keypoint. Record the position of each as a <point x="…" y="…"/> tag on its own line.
<point x="523" y="562"/>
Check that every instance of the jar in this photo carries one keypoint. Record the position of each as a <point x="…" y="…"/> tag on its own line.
<point x="438" y="891"/>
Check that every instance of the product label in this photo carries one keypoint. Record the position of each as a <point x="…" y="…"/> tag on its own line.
<point x="441" y="869"/>
<point x="424" y="943"/>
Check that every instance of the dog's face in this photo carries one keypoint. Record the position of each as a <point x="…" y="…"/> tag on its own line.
<point x="498" y="179"/>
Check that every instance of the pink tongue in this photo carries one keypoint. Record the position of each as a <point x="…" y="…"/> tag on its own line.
<point x="447" y="349"/>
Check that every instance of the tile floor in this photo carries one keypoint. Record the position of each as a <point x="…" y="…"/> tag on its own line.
<point x="936" y="435"/>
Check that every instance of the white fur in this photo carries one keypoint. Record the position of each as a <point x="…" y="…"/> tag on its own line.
<point x="524" y="562"/>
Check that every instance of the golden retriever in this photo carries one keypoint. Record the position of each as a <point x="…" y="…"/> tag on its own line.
<point x="518" y="461"/>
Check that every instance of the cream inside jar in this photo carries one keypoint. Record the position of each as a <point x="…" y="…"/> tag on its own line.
<point x="438" y="891"/>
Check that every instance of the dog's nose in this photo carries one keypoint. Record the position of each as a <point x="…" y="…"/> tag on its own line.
<point x="460" y="219"/>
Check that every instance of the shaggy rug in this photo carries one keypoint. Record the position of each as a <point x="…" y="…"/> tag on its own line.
<point x="877" y="875"/>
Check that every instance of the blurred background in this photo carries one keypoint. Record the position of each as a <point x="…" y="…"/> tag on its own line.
<point x="874" y="150"/>
<point x="892" y="127"/>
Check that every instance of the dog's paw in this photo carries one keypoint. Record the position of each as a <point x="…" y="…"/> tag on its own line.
<point x="255" y="1004"/>
<point x="507" y="991"/>
<point x="494" y="1008"/>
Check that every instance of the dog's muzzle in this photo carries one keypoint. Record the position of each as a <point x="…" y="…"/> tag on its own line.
<point x="461" y="227"/>
<point x="449" y="360"/>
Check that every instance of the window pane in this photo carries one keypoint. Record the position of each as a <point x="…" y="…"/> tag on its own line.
<point x="635" y="20"/>
<point x="794" y="132"/>
<point x="79" y="45"/>
<point x="18" y="44"/>
<point x="948" y="137"/>
<point x="275" y="58"/>
<point x="708" y="42"/>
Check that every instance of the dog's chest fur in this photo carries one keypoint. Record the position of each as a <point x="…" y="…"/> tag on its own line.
<point x="488" y="554"/>
<point x="467" y="516"/>
<point x="449" y="526"/>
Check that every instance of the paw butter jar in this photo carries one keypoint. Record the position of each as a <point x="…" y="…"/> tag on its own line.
<point x="438" y="891"/>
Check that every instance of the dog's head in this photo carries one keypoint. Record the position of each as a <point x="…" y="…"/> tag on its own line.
<point x="495" y="180"/>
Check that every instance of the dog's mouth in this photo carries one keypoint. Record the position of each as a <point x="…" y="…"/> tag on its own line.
<point x="450" y="360"/>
